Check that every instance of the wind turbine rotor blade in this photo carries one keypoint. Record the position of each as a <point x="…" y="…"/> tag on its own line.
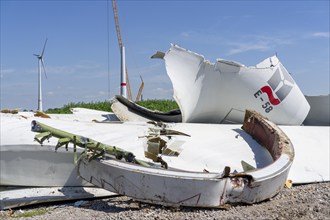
<point x="43" y="66"/>
<point x="43" y="50"/>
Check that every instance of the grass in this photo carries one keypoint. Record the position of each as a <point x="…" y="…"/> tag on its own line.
<point x="30" y="213"/>
<point x="102" y="106"/>
<point x="160" y="105"/>
<point x="155" y="104"/>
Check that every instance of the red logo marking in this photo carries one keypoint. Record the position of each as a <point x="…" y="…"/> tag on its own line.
<point x="269" y="92"/>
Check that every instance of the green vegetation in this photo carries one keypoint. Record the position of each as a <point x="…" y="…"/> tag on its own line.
<point x="156" y="104"/>
<point x="31" y="213"/>
<point x="102" y="106"/>
<point x="159" y="105"/>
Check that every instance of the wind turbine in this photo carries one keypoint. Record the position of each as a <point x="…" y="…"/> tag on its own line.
<point x="40" y="64"/>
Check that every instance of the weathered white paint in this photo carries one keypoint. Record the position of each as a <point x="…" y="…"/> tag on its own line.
<point x="198" y="189"/>
<point x="124" y="114"/>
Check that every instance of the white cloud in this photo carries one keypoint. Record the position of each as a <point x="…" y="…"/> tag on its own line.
<point x="6" y="71"/>
<point x="163" y="92"/>
<point x="102" y="93"/>
<point x="96" y="95"/>
<point x="184" y="34"/>
<point x="78" y="68"/>
<point x="321" y="34"/>
<point x="241" y="48"/>
<point x="256" y="43"/>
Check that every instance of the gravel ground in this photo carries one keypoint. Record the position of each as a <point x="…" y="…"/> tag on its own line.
<point x="310" y="201"/>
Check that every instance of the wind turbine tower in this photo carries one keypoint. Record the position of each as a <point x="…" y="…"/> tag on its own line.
<point x="40" y="64"/>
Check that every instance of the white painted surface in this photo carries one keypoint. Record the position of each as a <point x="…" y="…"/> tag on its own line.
<point x="312" y="149"/>
<point x="181" y="188"/>
<point x="210" y="146"/>
<point x="33" y="165"/>
<point x="219" y="92"/>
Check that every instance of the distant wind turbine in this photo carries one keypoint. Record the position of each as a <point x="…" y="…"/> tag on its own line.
<point x="40" y="64"/>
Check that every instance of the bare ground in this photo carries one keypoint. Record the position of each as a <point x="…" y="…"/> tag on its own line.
<point x="310" y="201"/>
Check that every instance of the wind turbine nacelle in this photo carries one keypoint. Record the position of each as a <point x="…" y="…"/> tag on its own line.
<point x="220" y="92"/>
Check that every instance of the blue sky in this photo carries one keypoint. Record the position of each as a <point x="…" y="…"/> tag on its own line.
<point x="76" y="55"/>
